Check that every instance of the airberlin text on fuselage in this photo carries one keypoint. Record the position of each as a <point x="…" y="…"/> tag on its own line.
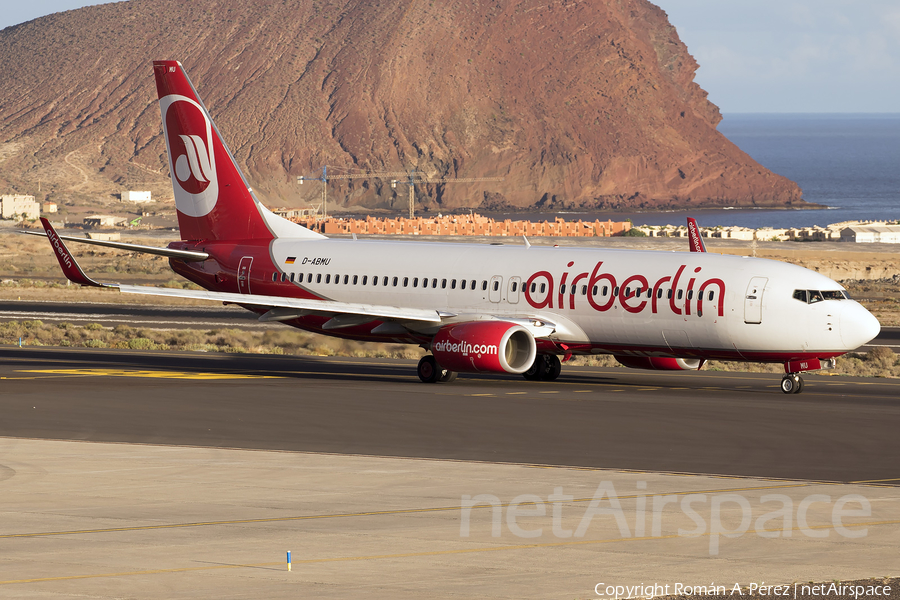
<point x="632" y="291"/>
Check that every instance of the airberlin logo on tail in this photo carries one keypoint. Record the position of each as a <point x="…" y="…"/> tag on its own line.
<point x="195" y="163"/>
<point x="192" y="158"/>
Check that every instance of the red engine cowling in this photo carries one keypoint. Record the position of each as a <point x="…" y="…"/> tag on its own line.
<point x="661" y="363"/>
<point x="484" y="346"/>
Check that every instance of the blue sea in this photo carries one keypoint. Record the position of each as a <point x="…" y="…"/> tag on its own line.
<point x="848" y="162"/>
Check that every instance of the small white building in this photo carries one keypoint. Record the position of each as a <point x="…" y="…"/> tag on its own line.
<point x="49" y="208"/>
<point x="13" y="205"/>
<point x="136" y="197"/>
<point x="871" y="234"/>
<point x="102" y="221"/>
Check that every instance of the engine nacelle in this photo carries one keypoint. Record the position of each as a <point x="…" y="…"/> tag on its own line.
<point x="661" y="363"/>
<point x="484" y="346"/>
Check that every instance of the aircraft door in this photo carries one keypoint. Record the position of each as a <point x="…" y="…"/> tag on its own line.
<point x="753" y="300"/>
<point x="244" y="275"/>
<point x="515" y="286"/>
<point x="495" y="288"/>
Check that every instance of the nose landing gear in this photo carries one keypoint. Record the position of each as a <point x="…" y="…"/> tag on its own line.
<point x="792" y="383"/>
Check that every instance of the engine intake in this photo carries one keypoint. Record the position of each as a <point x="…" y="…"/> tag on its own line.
<point x="484" y="346"/>
<point x="661" y="363"/>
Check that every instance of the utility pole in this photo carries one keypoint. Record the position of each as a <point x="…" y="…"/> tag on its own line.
<point x="411" y="179"/>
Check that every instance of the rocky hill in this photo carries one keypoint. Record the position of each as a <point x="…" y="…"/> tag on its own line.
<point x="576" y="103"/>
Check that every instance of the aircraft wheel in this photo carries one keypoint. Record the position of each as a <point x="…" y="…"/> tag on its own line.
<point x="447" y="376"/>
<point x="552" y="369"/>
<point x="428" y="370"/>
<point x="537" y="367"/>
<point x="791" y="384"/>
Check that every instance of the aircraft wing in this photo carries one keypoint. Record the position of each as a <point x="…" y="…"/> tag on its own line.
<point x="187" y="255"/>
<point x="694" y="238"/>
<point x="289" y="307"/>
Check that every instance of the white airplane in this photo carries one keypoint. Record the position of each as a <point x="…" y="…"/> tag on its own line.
<point x="481" y="308"/>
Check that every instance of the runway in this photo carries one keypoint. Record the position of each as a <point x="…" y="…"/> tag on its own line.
<point x="738" y="424"/>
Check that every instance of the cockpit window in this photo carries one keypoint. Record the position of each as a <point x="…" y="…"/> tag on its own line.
<point x="813" y="296"/>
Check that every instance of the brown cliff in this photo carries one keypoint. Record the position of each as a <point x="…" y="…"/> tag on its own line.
<point x="575" y="103"/>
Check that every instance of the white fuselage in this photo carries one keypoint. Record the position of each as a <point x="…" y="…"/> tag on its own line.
<point x="599" y="300"/>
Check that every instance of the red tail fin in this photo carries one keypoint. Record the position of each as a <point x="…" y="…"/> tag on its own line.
<point x="213" y="199"/>
<point x="694" y="238"/>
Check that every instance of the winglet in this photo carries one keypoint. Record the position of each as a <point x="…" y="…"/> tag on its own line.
<point x="694" y="237"/>
<point x="66" y="260"/>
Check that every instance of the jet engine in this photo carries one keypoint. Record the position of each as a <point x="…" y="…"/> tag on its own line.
<point x="484" y="346"/>
<point x="661" y="363"/>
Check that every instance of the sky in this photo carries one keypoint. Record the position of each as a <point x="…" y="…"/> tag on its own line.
<point x="821" y="56"/>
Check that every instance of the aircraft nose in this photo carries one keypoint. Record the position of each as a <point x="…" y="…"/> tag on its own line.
<point x="858" y="326"/>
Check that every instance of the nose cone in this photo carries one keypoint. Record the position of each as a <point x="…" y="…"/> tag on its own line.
<point x="858" y="326"/>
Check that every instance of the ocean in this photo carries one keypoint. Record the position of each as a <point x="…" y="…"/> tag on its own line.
<point x="848" y="162"/>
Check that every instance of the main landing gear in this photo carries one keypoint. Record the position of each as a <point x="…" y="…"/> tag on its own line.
<point x="429" y="371"/>
<point x="546" y="367"/>
<point x="792" y="383"/>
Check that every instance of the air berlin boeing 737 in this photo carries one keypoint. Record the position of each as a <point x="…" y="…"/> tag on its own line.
<point x="480" y="308"/>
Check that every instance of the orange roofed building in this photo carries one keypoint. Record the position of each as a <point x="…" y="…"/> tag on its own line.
<point x="473" y="224"/>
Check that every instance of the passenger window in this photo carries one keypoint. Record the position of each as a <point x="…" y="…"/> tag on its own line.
<point x="355" y="279"/>
<point x="299" y="277"/>
<point x="309" y="278"/>
<point x="283" y="277"/>
<point x="374" y="279"/>
<point x="574" y="288"/>
<point x="616" y="291"/>
<point x="605" y="290"/>
<point x="405" y="281"/>
<point x="453" y="284"/>
<point x="346" y="279"/>
<point x="543" y="287"/>
<point x="628" y="292"/>
<point x="690" y="294"/>
<point x="584" y="290"/>
<point x="514" y="286"/>
<point x="496" y="285"/>
<point x="394" y="282"/>
<point x="594" y="291"/>
<point x="443" y="284"/>
<point x="292" y="278"/>
<point x="274" y="276"/>
<point x="415" y="282"/>
<point x="337" y="279"/>
<point x="319" y="278"/>
<point x="680" y="294"/>
<point x="484" y="285"/>
<point x="384" y="281"/>
<point x="434" y="283"/>
<point x="710" y="295"/>
<point x="562" y="289"/>
<point x="328" y="278"/>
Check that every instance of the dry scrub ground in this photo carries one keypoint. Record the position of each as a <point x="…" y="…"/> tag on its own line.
<point x="28" y="271"/>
